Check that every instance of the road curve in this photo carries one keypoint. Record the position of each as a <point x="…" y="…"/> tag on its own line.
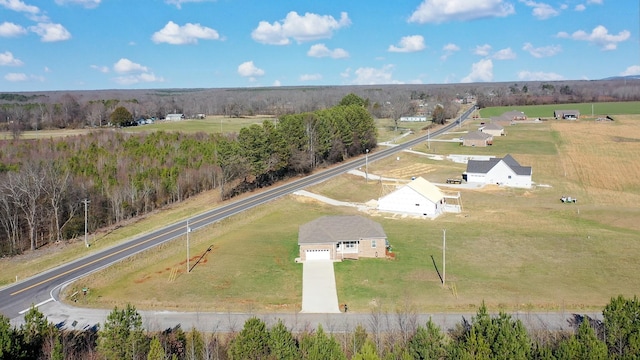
<point x="40" y="289"/>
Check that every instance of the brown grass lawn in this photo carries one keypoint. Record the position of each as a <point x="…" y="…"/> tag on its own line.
<point x="515" y="249"/>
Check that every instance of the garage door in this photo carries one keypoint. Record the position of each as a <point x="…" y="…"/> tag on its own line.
<point x="319" y="254"/>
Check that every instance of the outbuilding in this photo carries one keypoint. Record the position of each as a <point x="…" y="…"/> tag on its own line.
<point x="566" y="114"/>
<point x="492" y="129"/>
<point x="336" y="238"/>
<point x="418" y="197"/>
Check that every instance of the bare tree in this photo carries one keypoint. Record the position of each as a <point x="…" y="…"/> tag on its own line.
<point x="26" y="193"/>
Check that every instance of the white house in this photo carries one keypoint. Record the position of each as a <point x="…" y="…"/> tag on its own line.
<point x="418" y="197"/>
<point x="174" y="117"/>
<point x="492" y="129"/>
<point x="504" y="171"/>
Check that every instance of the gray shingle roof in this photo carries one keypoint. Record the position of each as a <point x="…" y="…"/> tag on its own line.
<point x="332" y="229"/>
<point x="477" y="135"/>
<point x="483" y="167"/>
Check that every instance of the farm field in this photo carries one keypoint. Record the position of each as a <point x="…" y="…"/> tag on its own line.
<point x="515" y="249"/>
<point x="546" y="111"/>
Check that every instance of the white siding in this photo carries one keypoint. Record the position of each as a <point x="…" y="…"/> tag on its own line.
<point x="407" y="201"/>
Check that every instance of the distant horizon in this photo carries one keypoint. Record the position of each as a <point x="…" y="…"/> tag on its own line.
<point x="285" y="87"/>
<point x="209" y="44"/>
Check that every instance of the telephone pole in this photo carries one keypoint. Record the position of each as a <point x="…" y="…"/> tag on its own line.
<point x="86" y="204"/>
<point x="444" y="247"/>
<point x="188" y="231"/>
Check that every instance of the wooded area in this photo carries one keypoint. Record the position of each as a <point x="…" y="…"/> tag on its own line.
<point x="123" y="336"/>
<point x="44" y="183"/>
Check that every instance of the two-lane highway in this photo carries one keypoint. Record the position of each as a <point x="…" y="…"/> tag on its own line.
<point x="40" y="289"/>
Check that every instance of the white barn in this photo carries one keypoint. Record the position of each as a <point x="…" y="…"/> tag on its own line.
<point x="418" y="197"/>
<point x="504" y="171"/>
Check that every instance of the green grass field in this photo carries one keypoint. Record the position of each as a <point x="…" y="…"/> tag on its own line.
<point x="586" y="109"/>
<point x="515" y="249"/>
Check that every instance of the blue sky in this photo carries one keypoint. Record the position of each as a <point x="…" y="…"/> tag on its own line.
<point x="139" y="44"/>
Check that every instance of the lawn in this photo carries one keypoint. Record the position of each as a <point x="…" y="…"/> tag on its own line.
<point x="515" y="249"/>
<point x="586" y="109"/>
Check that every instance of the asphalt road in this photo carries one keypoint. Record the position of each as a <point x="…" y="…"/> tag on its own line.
<point x="41" y="289"/>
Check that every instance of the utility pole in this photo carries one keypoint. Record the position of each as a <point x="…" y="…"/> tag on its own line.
<point x="428" y="139"/>
<point x="188" y="231"/>
<point x="86" y="203"/>
<point x="444" y="247"/>
<point x="366" y="165"/>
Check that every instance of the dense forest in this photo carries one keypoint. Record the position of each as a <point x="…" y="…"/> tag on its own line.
<point x="44" y="184"/>
<point x="485" y="336"/>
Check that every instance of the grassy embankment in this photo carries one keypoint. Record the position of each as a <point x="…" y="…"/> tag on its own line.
<point x="514" y="249"/>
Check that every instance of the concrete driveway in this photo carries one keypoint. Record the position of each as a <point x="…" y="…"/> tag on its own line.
<point x="319" y="294"/>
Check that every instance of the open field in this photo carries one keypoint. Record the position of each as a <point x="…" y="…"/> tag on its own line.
<point x="515" y="249"/>
<point x="546" y="111"/>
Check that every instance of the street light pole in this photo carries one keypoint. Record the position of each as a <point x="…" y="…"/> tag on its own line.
<point x="366" y="165"/>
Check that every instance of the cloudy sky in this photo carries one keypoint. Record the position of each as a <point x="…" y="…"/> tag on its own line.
<point x="125" y="44"/>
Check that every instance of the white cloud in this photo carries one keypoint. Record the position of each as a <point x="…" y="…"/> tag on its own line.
<point x="580" y="7"/>
<point x="482" y="50"/>
<point x="321" y="50"/>
<point x="248" y="69"/>
<point x="308" y="27"/>
<point x="19" y="6"/>
<point x="449" y="49"/>
<point x="599" y="36"/>
<point x="439" y="11"/>
<point x="134" y="73"/>
<point x="482" y="71"/>
<point x="174" y="34"/>
<point x="102" y="69"/>
<point x="89" y="4"/>
<point x="277" y="83"/>
<point x="15" y="77"/>
<point x="539" y="76"/>
<point x="7" y="59"/>
<point x="8" y="29"/>
<point x="372" y="76"/>
<point x="50" y="32"/>
<point x="407" y="44"/>
<point x="599" y="2"/>
<point x="127" y="66"/>
<point x="543" y="51"/>
<point x="541" y="11"/>
<point x="137" y="78"/>
<point x="505" y="54"/>
<point x="631" y="70"/>
<point x="178" y="3"/>
<point x="310" y="77"/>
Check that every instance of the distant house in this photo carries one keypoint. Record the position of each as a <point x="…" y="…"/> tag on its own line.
<point x="418" y="197"/>
<point x="504" y="171"/>
<point x="413" y="118"/>
<point x="566" y="114"/>
<point x="509" y="116"/>
<point x="174" y="117"/>
<point x="477" y="138"/>
<point x="492" y="129"/>
<point x="341" y="237"/>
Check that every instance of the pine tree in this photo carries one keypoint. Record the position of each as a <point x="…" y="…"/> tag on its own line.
<point x="251" y="342"/>
<point x="367" y="352"/>
<point x="122" y="336"/>
<point x="156" y="352"/>
<point x="282" y="344"/>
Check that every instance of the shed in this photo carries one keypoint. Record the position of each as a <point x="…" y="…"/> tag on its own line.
<point x="419" y="197"/>
<point x="477" y="138"/>
<point x="341" y="237"/>
<point x="566" y="114"/>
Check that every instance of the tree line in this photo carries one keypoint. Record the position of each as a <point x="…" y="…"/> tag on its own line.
<point x="485" y="336"/>
<point x="44" y="183"/>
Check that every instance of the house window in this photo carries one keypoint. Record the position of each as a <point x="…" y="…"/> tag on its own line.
<point x="509" y="176"/>
<point x="417" y="204"/>
<point x="373" y="243"/>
